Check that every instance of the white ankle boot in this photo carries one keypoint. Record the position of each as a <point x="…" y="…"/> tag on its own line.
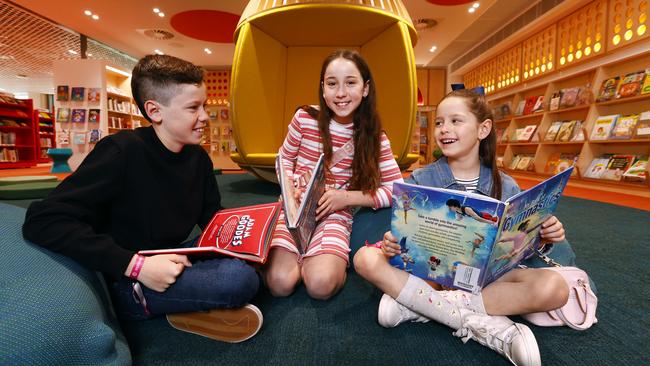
<point x="391" y="313"/>
<point x="513" y="340"/>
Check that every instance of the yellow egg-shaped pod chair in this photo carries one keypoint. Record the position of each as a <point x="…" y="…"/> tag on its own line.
<point x="280" y="47"/>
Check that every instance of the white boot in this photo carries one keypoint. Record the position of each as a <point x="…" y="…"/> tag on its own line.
<point x="391" y="313"/>
<point x="513" y="340"/>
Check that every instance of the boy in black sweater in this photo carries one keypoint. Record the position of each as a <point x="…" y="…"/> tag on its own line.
<point x="147" y="189"/>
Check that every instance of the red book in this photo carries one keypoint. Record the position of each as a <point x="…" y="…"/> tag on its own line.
<point x="243" y="232"/>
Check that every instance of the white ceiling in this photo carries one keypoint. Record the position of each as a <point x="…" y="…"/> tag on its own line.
<point x="456" y="32"/>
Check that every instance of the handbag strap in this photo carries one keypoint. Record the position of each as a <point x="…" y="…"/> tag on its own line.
<point x="590" y="313"/>
<point x="342" y="152"/>
<point x="548" y="260"/>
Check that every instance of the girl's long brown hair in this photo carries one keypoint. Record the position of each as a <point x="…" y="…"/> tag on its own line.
<point x="367" y="127"/>
<point x="487" y="149"/>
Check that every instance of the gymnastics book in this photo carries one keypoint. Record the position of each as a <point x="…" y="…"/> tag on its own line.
<point x="300" y="217"/>
<point x="243" y="232"/>
<point x="466" y="240"/>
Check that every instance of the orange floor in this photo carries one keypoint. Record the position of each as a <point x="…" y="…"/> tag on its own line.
<point x="614" y="198"/>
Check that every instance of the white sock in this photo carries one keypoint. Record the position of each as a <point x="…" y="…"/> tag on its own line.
<point x="441" y="306"/>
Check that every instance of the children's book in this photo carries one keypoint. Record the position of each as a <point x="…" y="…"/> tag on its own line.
<point x="596" y="168"/>
<point x="300" y="216"/>
<point x="94" y="94"/>
<point x="603" y="127"/>
<point x="624" y="127"/>
<point x="530" y="104"/>
<point x="551" y="134"/>
<point x="552" y="163"/>
<point x="93" y="115"/>
<point x="637" y="172"/>
<point x="514" y="162"/>
<point x="608" y="89"/>
<point x="79" y="138"/>
<point x="643" y="126"/>
<point x="569" y="97"/>
<point x="520" y="108"/>
<point x="539" y="104"/>
<point x="525" y="162"/>
<point x="94" y="135"/>
<point x="63" y="137"/>
<point x="566" y="130"/>
<point x="62" y="93"/>
<point x="525" y="133"/>
<point x="617" y="165"/>
<point x="77" y="94"/>
<point x="63" y="114"/>
<point x="78" y="115"/>
<point x="578" y="133"/>
<point x="645" y="88"/>
<point x="630" y="85"/>
<point x="466" y="240"/>
<point x="555" y="101"/>
<point x="242" y="232"/>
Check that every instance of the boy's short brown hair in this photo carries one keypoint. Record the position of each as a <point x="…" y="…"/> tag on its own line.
<point x="155" y="77"/>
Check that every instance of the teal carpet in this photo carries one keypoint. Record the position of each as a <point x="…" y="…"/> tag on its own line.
<point x="611" y="243"/>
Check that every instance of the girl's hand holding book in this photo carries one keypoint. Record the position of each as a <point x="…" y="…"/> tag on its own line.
<point x="389" y="245"/>
<point x="160" y="271"/>
<point x="552" y="230"/>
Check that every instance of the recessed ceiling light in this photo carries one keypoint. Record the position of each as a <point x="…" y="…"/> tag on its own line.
<point x="88" y="12"/>
<point x="433" y="49"/>
<point x="471" y="10"/>
<point x="95" y="16"/>
<point x="156" y="10"/>
<point x="158" y="52"/>
<point x="73" y="52"/>
<point x="207" y="50"/>
<point x="476" y="5"/>
<point x="161" y="14"/>
<point x="89" y="54"/>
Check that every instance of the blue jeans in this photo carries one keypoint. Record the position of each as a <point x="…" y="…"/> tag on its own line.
<point x="208" y="284"/>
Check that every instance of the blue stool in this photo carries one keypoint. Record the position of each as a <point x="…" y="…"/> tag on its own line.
<point x="60" y="160"/>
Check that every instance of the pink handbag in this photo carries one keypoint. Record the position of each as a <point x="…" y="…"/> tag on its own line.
<point x="579" y="312"/>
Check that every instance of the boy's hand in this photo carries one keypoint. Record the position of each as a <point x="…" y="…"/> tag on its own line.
<point x="160" y="271"/>
<point x="552" y="230"/>
<point x="331" y="201"/>
<point x="389" y="245"/>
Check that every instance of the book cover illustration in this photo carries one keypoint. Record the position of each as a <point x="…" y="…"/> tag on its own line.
<point x="465" y="240"/>
<point x="243" y="232"/>
<point x="637" y="171"/>
<point x="608" y="89"/>
<point x="643" y="126"/>
<point x="603" y="127"/>
<point x="631" y="84"/>
<point x="530" y="103"/>
<point x="569" y="97"/>
<point x="94" y="94"/>
<point x="94" y="135"/>
<point x="596" y="168"/>
<point x="63" y="114"/>
<point x="555" y="101"/>
<point x="616" y="166"/>
<point x="78" y="93"/>
<point x="63" y="137"/>
<point x="300" y="216"/>
<point x="62" y="93"/>
<point x="520" y="108"/>
<point x="223" y="114"/>
<point x="93" y="115"/>
<point x="539" y="104"/>
<point x="525" y="162"/>
<point x="552" y="163"/>
<point x="566" y="130"/>
<point x="78" y="115"/>
<point x="645" y="88"/>
<point x="578" y="133"/>
<point x="552" y="131"/>
<point x="79" y="138"/>
<point x="624" y="127"/>
<point x="525" y="133"/>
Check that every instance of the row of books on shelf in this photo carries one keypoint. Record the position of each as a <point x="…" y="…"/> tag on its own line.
<point x="222" y="114"/>
<point x="618" y="167"/>
<point x="77" y="115"/>
<point x="220" y="131"/>
<point x="122" y="106"/>
<point x="629" y="85"/>
<point x="10" y="99"/>
<point x="222" y="146"/>
<point x="77" y="94"/>
<point x="13" y="113"/>
<point x="8" y="155"/>
<point x="78" y="137"/>
<point x="621" y="127"/>
<point x="4" y="122"/>
<point x="45" y="142"/>
<point x="7" y="138"/>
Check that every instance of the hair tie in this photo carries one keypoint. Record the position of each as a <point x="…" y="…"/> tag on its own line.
<point x="478" y="90"/>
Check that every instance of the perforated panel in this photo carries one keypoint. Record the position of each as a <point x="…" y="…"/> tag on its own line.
<point x="29" y="44"/>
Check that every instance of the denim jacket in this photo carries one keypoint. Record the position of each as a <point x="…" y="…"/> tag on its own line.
<point x="438" y="174"/>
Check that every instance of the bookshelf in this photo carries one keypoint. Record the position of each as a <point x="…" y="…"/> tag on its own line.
<point x="45" y="134"/>
<point x="587" y="110"/>
<point x="17" y="133"/>
<point x="423" y="133"/>
<point x="217" y="137"/>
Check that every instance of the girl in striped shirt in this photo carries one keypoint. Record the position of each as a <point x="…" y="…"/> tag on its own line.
<point x="362" y="177"/>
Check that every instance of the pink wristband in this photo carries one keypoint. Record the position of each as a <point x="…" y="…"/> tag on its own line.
<point x="135" y="271"/>
<point x="374" y="245"/>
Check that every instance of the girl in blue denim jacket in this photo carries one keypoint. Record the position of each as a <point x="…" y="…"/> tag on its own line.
<point x="464" y="132"/>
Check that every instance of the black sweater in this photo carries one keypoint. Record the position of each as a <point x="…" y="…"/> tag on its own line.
<point x="130" y="193"/>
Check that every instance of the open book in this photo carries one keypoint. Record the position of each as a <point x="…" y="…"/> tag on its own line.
<point x="466" y="240"/>
<point x="301" y="216"/>
<point x="243" y="232"/>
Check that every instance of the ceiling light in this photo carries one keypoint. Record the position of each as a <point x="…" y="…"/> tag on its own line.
<point x="471" y="10"/>
<point x="118" y="71"/>
<point x="475" y="5"/>
<point x="72" y="52"/>
<point x="95" y="16"/>
<point x="161" y="14"/>
<point x="88" y="12"/>
<point x="158" y="52"/>
<point x="433" y="49"/>
<point x="207" y="50"/>
<point x="156" y="10"/>
<point x="89" y="54"/>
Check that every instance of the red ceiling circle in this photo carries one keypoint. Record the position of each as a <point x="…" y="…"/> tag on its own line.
<point x="449" y="2"/>
<point x="206" y="25"/>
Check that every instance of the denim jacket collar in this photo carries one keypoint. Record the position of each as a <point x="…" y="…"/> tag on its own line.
<point x="439" y="174"/>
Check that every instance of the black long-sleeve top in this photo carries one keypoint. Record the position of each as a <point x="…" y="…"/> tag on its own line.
<point x="130" y="193"/>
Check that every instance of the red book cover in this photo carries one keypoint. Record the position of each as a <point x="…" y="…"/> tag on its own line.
<point x="243" y="232"/>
